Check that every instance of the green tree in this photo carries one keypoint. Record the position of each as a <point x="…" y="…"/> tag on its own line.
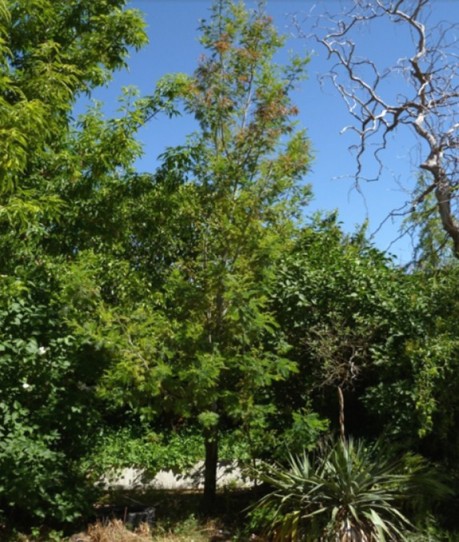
<point x="385" y="337"/>
<point x="50" y="53"/>
<point x="432" y="245"/>
<point x="352" y="319"/>
<point x="233" y="195"/>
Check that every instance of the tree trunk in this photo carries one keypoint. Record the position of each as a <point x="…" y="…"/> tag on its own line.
<point x="210" y="470"/>
<point x="342" y="429"/>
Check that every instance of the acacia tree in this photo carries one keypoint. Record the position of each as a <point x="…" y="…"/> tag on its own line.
<point x="420" y="92"/>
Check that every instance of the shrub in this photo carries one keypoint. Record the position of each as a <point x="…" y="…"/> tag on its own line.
<point x="346" y="492"/>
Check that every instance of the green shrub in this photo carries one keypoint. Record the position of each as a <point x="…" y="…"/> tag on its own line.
<point x="348" y="491"/>
<point x="48" y="415"/>
<point x="140" y="447"/>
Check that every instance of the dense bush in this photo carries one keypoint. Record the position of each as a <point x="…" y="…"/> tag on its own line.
<point x="48" y="413"/>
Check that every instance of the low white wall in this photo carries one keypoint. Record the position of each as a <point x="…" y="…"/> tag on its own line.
<point x="229" y="475"/>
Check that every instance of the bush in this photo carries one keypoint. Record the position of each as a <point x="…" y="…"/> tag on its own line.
<point x="48" y="415"/>
<point x="348" y="491"/>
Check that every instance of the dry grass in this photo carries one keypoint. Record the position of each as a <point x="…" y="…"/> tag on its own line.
<point x="190" y="537"/>
<point x="113" y="531"/>
<point x="179" y="519"/>
<point x="191" y="531"/>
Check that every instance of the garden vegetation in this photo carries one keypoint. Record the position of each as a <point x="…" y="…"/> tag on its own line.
<point x="199" y="311"/>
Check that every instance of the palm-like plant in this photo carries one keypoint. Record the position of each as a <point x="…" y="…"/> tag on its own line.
<point x="349" y="492"/>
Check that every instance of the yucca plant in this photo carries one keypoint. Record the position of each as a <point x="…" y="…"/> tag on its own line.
<point x="347" y="492"/>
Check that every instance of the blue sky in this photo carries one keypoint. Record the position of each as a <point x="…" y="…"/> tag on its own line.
<point x="174" y="47"/>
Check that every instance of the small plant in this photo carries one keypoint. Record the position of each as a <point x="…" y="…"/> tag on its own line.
<point x="187" y="530"/>
<point x="347" y="492"/>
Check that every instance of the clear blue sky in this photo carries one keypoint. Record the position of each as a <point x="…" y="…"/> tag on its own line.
<point x="174" y="47"/>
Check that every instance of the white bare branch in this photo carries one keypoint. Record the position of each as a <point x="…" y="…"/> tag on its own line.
<point x="429" y="104"/>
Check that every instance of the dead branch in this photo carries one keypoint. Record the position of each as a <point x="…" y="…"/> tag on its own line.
<point x="420" y="92"/>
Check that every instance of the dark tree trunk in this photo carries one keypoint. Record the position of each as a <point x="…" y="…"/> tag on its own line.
<point x="342" y="428"/>
<point x="210" y="470"/>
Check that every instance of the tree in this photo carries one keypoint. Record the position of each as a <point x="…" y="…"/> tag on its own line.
<point x="420" y="92"/>
<point x="430" y="241"/>
<point x="233" y="189"/>
<point x="50" y="53"/>
<point x="386" y="337"/>
<point x="354" y="322"/>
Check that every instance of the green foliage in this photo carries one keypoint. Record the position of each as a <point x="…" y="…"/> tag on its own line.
<point x="420" y="372"/>
<point x="193" y="297"/>
<point x="47" y="413"/>
<point x="50" y="53"/>
<point x="347" y="491"/>
<point x="434" y="359"/>
<point x="304" y="432"/>
<point x="141" y="447"/>
<point x="432" y="246"/>
<point x="202" y="237"/>
<point x="129" y="447"/>
<point x="356" y="322"/>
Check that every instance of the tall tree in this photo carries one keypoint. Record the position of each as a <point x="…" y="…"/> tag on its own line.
<point x="237" y="189"/>
<point x="51" y="51"/>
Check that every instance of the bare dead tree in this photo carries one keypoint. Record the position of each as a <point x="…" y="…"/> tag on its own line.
<point x="420" y="91"/>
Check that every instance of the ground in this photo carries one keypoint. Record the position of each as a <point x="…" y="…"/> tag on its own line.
<point x="178" y="517"/>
